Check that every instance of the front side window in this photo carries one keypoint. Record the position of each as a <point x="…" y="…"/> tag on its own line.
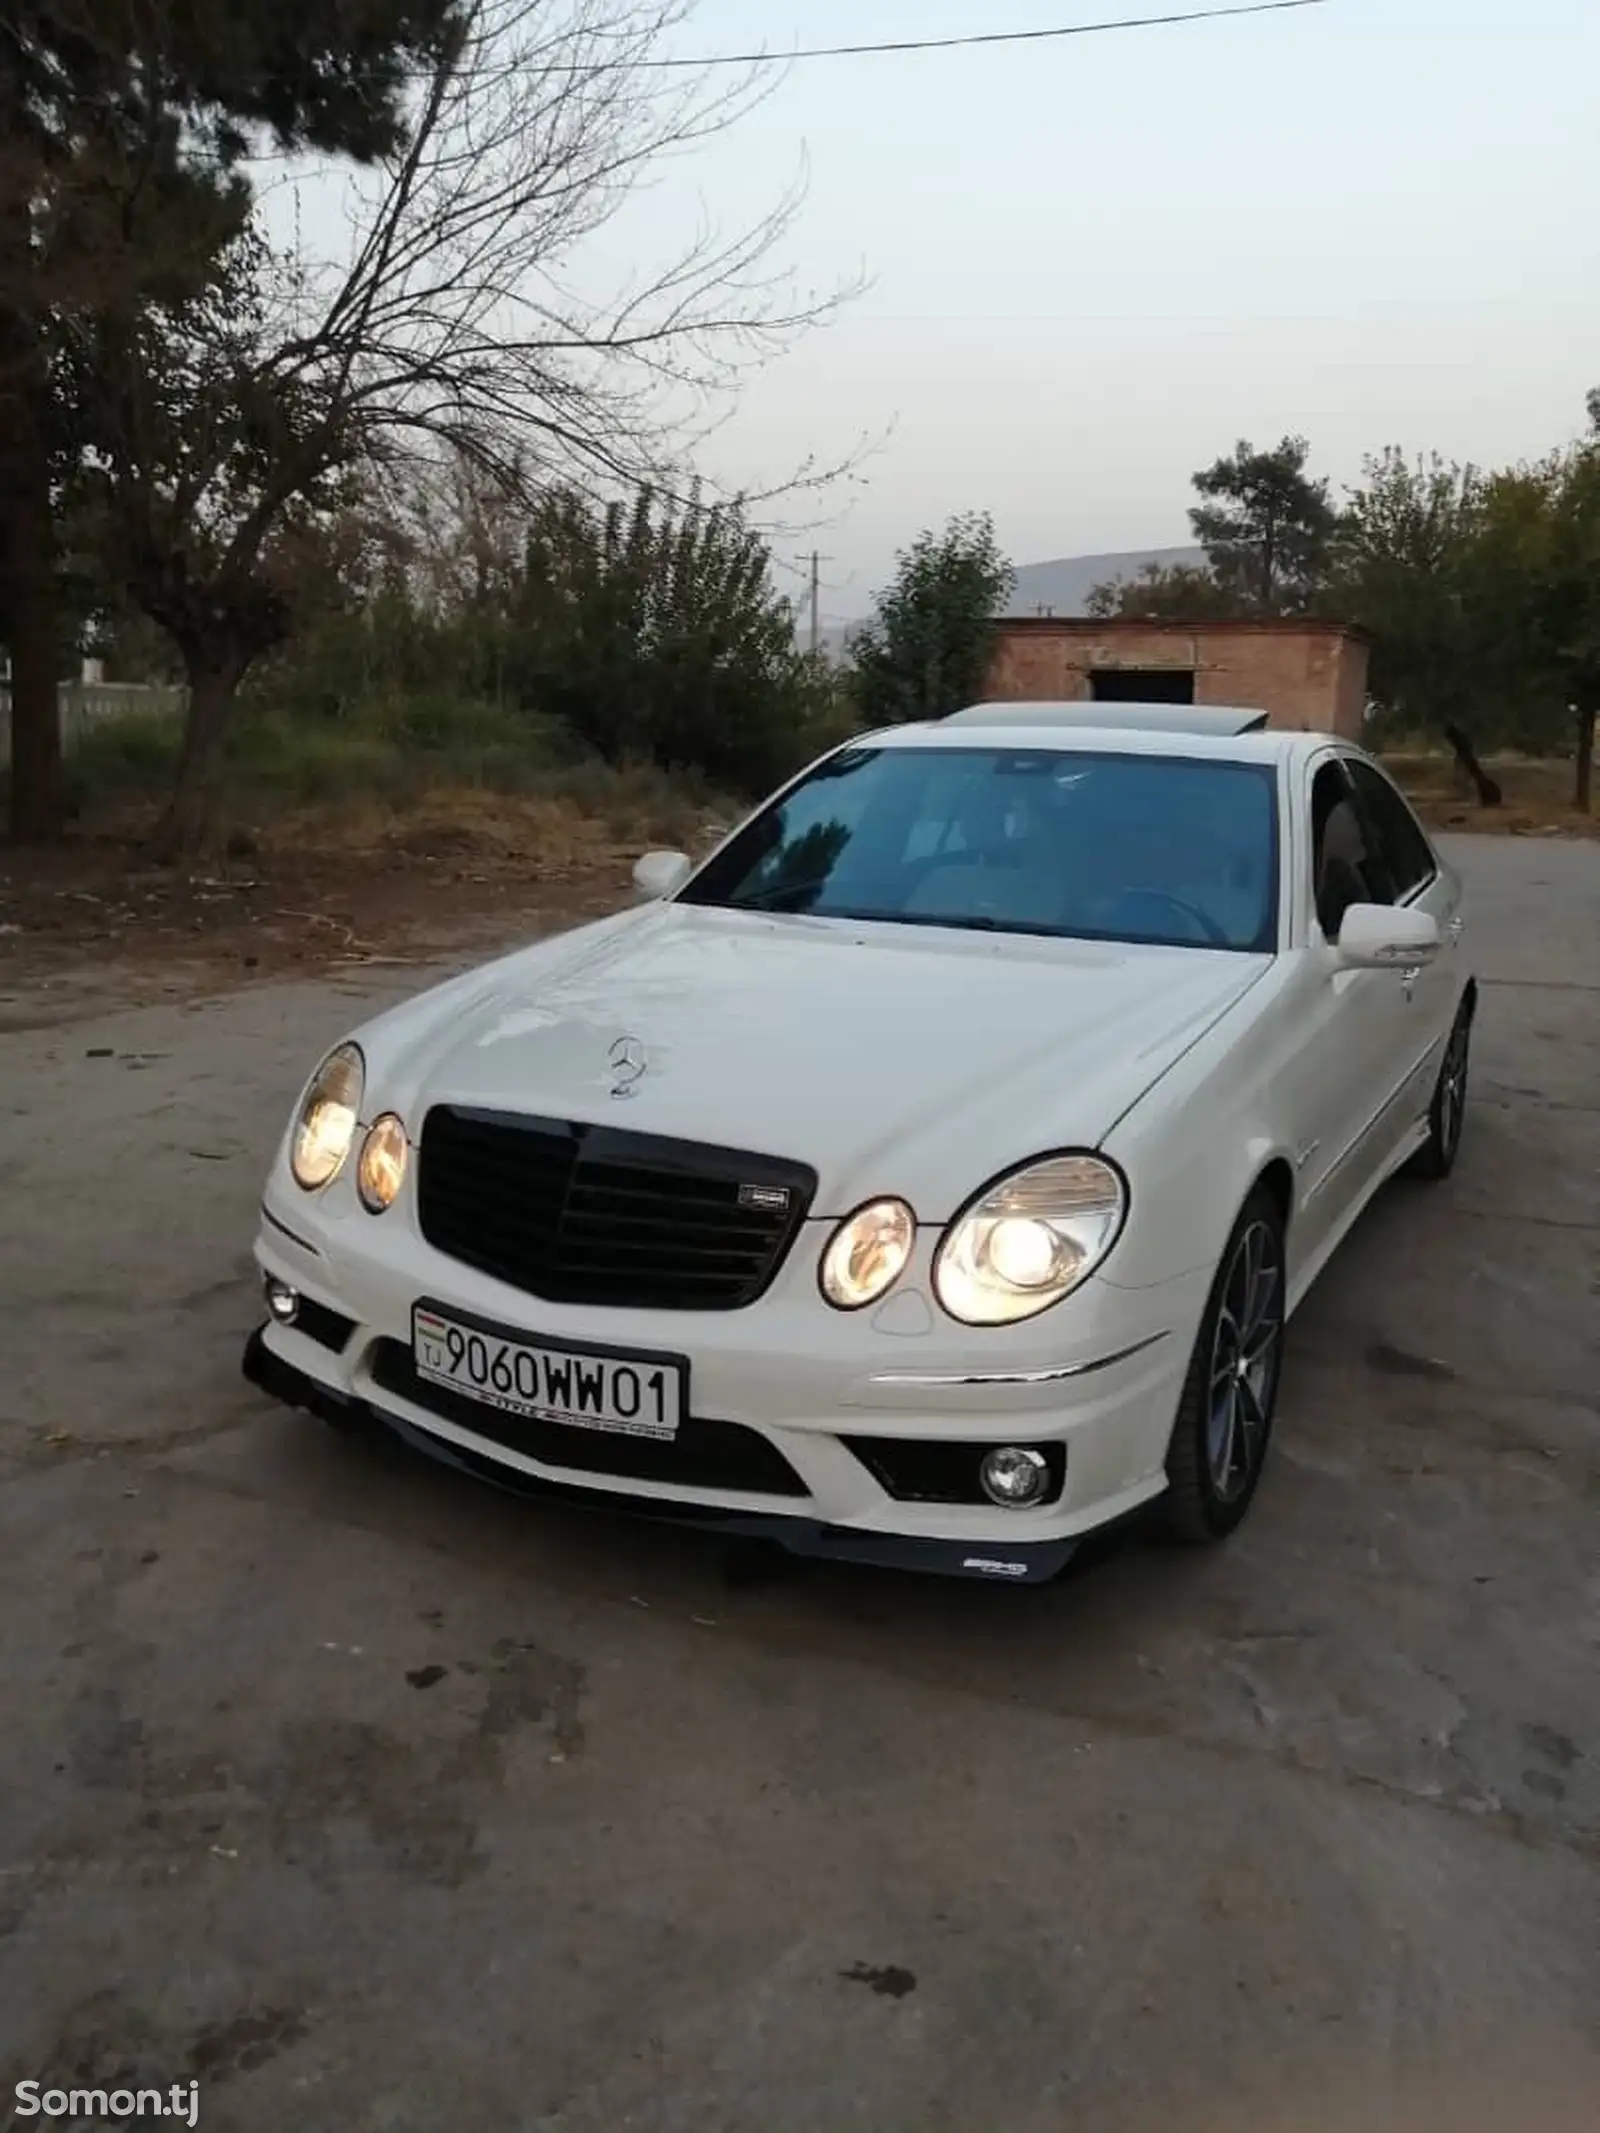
<point x="1406" y="850"/>
<point x="1347" y="865"/>
<point x="1172" y="851"/>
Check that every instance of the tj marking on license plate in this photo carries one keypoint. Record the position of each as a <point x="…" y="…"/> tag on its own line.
<point x="629" y="1395"/>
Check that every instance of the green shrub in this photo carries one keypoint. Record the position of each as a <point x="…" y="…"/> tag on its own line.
<point x="134" y="752"/>
<point x="440" y="722"/>
<point x="655" y="631"/>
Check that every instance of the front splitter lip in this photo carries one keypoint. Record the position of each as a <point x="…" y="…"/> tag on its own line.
<point x="995" y="1563"/>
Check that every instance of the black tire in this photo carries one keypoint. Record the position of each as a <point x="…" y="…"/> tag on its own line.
<point x="1447" y="1113"/>
<point x="1224" y="1425"/>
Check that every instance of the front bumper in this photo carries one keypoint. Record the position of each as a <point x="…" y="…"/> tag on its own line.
<point x="1024" y="1563"/>
<point x="812" y="1397"/>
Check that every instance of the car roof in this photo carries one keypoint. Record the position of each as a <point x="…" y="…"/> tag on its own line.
<point x="1218" y="719"/>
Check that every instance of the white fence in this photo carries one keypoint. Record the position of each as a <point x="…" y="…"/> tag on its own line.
<point x="85" y="704"/>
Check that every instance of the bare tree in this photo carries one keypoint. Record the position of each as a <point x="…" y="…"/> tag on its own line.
<point x="464" y="318"/>
<point x="466" y="531"/>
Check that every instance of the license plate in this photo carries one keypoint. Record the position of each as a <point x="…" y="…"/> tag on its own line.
<point x="617" y="1391"/>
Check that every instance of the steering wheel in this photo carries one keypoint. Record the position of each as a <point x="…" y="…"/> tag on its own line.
<point x="1208" y="929"/>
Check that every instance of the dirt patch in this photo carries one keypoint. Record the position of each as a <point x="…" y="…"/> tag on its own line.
<point x="1538" y="796"/>
<point x="94" y="920"/>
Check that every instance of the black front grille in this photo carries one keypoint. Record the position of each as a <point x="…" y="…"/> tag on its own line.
<point x="703" y="1455"/>
<point x="586" y="1214"/>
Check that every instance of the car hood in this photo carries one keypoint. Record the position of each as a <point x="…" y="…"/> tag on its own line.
<point x="891" y="1058"/>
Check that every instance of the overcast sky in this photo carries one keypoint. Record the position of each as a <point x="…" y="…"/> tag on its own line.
<point x="1096" y="263"/>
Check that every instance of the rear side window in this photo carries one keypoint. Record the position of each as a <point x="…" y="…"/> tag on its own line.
<point x="1406" y="850"/>
<point x="1348" y="866"/>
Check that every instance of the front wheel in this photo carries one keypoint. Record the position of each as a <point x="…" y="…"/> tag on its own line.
<point x="1224" y="1425"/>
<point x="1436" y="1158"/>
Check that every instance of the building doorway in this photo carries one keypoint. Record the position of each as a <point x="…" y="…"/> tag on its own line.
<point x="1141" y="685"/>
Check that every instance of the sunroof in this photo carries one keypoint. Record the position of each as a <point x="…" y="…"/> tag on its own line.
<point x="1221" y="721"/>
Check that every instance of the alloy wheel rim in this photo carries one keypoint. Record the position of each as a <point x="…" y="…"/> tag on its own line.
<point x="1245" y="1350"/>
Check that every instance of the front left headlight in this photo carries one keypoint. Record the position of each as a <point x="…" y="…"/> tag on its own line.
<point x="325" y="1124"/>
<point x="1030" y="1239"/>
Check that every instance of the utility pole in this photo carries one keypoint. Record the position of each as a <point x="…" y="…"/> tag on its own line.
<point x="817" y="562"/>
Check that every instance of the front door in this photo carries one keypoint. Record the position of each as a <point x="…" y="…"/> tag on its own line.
<point x="1430" y="991"/>
<point x="1364" y="1019"/>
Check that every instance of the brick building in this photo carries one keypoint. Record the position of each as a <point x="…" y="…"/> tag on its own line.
<point x="1311" y="676"/>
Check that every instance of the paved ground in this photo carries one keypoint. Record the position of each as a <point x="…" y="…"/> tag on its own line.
<point x="373" y="1801"/>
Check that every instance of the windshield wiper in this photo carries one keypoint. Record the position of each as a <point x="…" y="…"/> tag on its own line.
<point x="974" y="924"/>
<point x="762" y="897"/>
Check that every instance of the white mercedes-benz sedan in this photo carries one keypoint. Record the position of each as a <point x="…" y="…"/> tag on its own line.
<point x="927" y="1177"/>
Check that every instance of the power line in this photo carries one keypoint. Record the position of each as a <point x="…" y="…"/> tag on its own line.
<point x="771" y="58"/>
<point x="950" y="44"/>
<point x="864" y="51"/>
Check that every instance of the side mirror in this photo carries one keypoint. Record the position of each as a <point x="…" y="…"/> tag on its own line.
<point x="660" y="874"/>
<point x="1385" y="937"/>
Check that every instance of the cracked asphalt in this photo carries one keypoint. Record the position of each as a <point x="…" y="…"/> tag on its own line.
<point x="369" y="1799"/>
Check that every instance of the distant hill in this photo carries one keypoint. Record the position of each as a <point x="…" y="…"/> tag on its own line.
<point x="1060" y="588"/>
<point x="1063" y="587"/>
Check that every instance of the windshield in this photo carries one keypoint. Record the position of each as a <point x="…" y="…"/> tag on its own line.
<point x="1170" y="850"/>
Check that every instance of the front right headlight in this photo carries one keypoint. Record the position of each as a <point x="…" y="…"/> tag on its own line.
<point x="381" y="1166"/>
<point x="325" y="1125"/>
<point x="1030" y="1239"/>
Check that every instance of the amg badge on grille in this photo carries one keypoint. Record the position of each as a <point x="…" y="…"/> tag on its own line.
<point x="770" y="1199"/>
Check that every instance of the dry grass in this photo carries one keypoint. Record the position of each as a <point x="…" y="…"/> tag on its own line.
<point x="301" y="882"/>
<point x="1538" y="796"/>
<point x="553" y="833"/>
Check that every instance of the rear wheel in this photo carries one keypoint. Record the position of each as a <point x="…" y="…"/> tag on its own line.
<point x="1224" y="1425"/>
<point x="1436" y="1158"/>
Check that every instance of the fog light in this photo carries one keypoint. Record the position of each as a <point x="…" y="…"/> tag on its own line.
<point x="282" y="1301"/>
<point x="1013" y="1477"/>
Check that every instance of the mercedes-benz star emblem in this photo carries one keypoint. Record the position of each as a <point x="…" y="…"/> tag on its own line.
<point x="628" y="1061"/>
